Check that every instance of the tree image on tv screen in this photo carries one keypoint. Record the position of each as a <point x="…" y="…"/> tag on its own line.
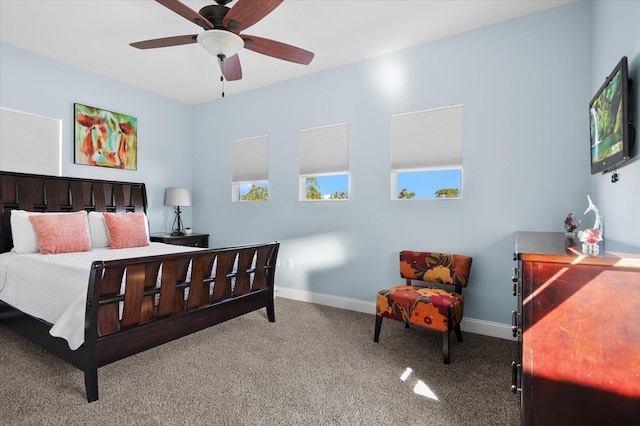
<point x="606" y="121"/>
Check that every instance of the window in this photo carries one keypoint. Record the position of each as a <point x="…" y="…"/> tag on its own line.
<point x="426" y="154"/>
<point x="250" y="180"/>
<point x="324" y="163"/>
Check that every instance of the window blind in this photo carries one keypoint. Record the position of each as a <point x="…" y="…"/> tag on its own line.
<point x="250" y="159"/>
<point x="427" y="139"/>
<point x="324" y="149"/>
<point x="30" y="143"/>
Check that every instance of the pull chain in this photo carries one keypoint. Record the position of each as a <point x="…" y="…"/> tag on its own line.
<point x="221" y="57"/>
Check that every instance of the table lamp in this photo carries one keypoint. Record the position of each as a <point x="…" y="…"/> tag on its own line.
<point x="177" y="197"/>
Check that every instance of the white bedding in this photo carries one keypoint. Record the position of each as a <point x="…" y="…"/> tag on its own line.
<point x="53" y="287"/>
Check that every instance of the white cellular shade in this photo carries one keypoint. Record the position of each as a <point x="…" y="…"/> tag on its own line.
<point x="250" y="159"/>
<point x="324" y="149"/>
<point x="30" y="143"/>
<point x="427" y="139"/>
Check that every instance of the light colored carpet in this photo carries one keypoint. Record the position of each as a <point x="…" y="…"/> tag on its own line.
<point x="314" y="365"/>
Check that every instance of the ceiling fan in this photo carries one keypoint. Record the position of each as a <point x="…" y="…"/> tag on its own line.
<point x="222" y="36"/>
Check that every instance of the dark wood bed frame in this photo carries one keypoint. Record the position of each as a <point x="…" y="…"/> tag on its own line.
<point x="151" y="314"/>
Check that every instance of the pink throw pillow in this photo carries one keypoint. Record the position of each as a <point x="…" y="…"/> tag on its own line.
<point x="127" y="229"/>
<point x="61" y="233"/>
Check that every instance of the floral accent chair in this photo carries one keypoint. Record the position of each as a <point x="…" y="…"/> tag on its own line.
<point x="427" y="306"/>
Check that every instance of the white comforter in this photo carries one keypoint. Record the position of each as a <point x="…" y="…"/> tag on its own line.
<point x="53" y="287"/>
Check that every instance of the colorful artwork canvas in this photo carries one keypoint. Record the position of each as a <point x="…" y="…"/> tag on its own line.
<point x="105" y="138"/>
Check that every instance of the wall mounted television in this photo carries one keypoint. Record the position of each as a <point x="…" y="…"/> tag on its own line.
<point x="610" y="121"/>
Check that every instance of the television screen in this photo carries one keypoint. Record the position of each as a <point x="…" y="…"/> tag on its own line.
<point x="609" y="121"/>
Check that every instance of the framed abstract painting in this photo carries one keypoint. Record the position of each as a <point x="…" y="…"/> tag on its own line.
<point x="105" y="138"/>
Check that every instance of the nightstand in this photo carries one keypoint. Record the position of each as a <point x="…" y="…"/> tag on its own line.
<point x="191" y="240"/>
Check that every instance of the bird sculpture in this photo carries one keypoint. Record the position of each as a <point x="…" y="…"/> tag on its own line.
<point x="592" y="236"/>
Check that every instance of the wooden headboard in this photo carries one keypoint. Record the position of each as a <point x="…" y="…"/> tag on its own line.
<point x="64" y="194"/>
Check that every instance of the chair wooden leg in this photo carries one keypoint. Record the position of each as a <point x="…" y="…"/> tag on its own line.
<point x="446" y="343"/>
<point x="458" y="333"/>
<point x="446" y="337"/>
<point x="376" y="334"/>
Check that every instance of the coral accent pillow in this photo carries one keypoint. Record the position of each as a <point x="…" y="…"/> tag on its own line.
<point x="24" y="235"/>
<point x="127" y="229"/>
<point x="61" y="233"/>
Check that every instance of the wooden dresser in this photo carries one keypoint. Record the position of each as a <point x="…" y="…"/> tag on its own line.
<point x="578" y="329"/>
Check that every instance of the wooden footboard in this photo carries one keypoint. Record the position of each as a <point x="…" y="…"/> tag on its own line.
<point x="223" y="284"/>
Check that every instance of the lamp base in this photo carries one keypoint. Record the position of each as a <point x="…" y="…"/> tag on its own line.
<point x="177" y="227"/>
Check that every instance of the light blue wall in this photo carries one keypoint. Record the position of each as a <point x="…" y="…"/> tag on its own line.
<point x="39" y="85"/>
<point x="524" y="84"/>
<point x="616" y="33"/>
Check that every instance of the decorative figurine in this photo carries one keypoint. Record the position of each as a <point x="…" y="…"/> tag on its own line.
<point x="570" y="224"/>
<point x="592" y="236"/>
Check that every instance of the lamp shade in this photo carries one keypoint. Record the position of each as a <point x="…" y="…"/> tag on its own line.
<point x="220" y="42"/>
<point x="177" y="197"/>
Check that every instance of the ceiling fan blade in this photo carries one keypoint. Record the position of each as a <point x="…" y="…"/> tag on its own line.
<point x="245" y="13"/>
<point x="230" y="67"/>
<point x="277" y="49"/>
<point x="165" y="42"/>
<point x="186" y="12"/>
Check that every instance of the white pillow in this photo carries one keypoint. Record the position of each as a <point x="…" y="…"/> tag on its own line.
<point x="24" y="235"/>
<point x="100" y="232"/>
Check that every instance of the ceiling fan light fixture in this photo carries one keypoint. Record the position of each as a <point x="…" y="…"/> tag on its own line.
<point x="220" y="42"/>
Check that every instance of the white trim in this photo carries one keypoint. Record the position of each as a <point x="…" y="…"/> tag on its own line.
<point x="327" y="299"/>
<point x="486" y="328"/>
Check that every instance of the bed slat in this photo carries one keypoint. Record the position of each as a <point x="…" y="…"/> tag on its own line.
<point x="183" y="269"/>
<point x="8" y="191"/>
<point x="148" y="312"/>
<point x="199" y="290"/>
<point x="137" y="198"/>
<point x="168" y="290"/>
<point x="222" y="287"/>
<point x="29" y="192"/>
<point x="108" y="321"/>
<point x="205" y="283"/>
<point x="118" y="198"/>
<point x="57" y="195"/>
<point x="98" y="197"/>
<point x="260" y="280"/>
<point x="133" y="296"/>
<point x="243" y="278"/>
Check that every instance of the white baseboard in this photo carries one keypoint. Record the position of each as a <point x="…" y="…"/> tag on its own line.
<point x="486" y="328"/>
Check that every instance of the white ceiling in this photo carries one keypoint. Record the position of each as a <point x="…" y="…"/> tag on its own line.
<point x="95" y="35"/>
